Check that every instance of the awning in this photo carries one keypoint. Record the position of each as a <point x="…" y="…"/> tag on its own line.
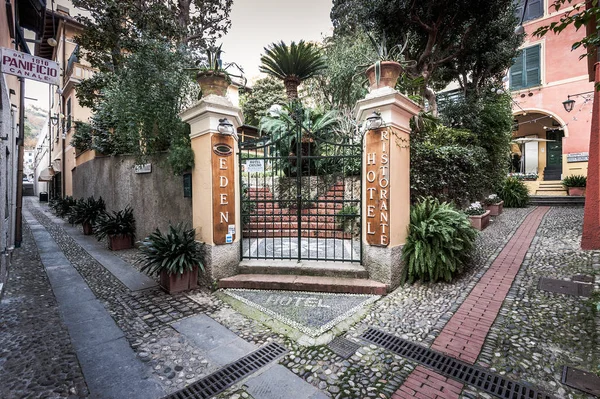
<point x="46" y="174"/>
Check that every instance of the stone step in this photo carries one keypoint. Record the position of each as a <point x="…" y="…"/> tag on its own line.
<point x="294" y="233"/>
<point x="304" y="283"/>
<point x="303" y="268"/>
<point x="545" y="200"/>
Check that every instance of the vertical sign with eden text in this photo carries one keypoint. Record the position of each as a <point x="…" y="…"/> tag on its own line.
<point x="223" y="182"/>
<point x="378" y="187"/>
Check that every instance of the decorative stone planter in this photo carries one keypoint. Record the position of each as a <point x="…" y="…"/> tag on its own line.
<point x="576" y="191"/>
<point x="495" y="209"/>
<point x="119" y="242"/>
<point x="173" y="283"/>
<point x="212" y="83"/>
<point x="88" y="230"/>
<point x="480" y="222"/>
<point x="390" y="71"/>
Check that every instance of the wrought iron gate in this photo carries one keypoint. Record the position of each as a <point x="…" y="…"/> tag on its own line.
<point x="301" y="193"/>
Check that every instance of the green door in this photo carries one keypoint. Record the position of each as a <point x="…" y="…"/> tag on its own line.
<point x="554" y="147"/>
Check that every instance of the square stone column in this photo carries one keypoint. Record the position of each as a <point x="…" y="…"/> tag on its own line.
<point x="386" y="183"/>
<point x="215" y="185"/>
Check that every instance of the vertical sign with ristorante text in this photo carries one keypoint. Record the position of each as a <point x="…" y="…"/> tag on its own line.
<point x="378" y="187"/>
<point x="223" y="184"/>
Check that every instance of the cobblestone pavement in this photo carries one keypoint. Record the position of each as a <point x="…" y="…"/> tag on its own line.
<point x="37" y="359"/>
<point x="417" y="313"/>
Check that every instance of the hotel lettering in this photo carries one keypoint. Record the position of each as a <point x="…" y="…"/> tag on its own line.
<point x="377" y="189"/>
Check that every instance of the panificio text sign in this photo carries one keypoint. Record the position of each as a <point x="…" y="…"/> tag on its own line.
<point x="29" y="67"/>
<point x="378" y="187"/>
<point x="223" y="183"/>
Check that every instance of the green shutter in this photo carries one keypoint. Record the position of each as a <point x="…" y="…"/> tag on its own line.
<point x="532" y="66"/>
<point x="535" y="9"/>
<point x="516" y="72"/>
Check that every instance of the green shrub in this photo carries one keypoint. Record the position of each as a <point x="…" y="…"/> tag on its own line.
<point x="346" y="217"/>
<point x="514" y="193"/>
<point x="86" y="211"/>
<point x="575" y="181"/>
<point x="439" y="243"/>
<point x="115" y="223"/>
<point x="175" y="252"/>
<point x="62" y="206"/>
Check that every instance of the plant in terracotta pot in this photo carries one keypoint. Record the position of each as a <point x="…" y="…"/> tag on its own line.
<point x="86" y="212"/>
<point x="575" y="185"/>
<point x="494" y="204"/>
<point x="478" y="216"/>
<point x="176" y="256"/>
<point x="118" y="227"/>
<point x="385" y="70"/>
<point x="212" y="76"/>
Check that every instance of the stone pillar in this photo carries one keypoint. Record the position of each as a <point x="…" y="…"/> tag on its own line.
<point x="386" y="183"/>
<point x="215" y="185"/>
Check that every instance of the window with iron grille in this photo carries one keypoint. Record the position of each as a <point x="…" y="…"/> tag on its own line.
<point x="525" y="72"/>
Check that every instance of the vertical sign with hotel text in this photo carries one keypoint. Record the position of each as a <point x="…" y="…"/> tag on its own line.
<point x="223" y="182"/>
<point x="378" y="187"/>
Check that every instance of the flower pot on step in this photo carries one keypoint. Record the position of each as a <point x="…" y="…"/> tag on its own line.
<point x="119" y="242"/>
<point x="576" y="191"/>
<point x="88" y="230"/>
<point x="496" y="209"/>
<point x="390" y="71"/>
<point x="173" y="283"/>
<point x="480" y="222"/>
<point x="212" y="83"/>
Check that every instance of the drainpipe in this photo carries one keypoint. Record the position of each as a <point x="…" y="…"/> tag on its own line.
<point x="63" y="134"/>
<point x="21" y="153"/>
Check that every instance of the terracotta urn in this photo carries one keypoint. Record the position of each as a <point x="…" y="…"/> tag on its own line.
<point x="576" y="191"/>
<point x="480" y="222"/>
<point x="88" y="230"/>
<point x="173" y="283"/>
<point x="212" y="83"/>
<point x="390" y="71"/>
<point x="119" y="242"/>
<point x="496" y="209"/>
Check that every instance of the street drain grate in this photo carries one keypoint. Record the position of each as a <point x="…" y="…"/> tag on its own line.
<point x="582" y="380"/>
<point x="565" y="287"/>
<point x="343" y="347"/>
<point x="582" y="278"/>
<point x="452" y="368"/>
<point x="225" y="377"/>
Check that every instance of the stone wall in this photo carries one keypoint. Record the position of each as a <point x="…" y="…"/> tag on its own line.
<point x="156" y="198"/>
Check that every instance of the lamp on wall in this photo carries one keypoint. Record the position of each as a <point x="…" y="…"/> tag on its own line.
<point x="374" y="121"/>
<point x="226" y="128"/>
<point x="568" y="104"/>
<point x="54" y="120"/>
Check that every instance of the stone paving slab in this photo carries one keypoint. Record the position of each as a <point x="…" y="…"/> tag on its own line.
<point x="277" y="382"/>
<point x="313" y="313"/>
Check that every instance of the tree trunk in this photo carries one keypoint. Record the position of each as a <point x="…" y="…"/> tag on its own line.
<point x="431" y="98"/>
<point x="291" y="87"/>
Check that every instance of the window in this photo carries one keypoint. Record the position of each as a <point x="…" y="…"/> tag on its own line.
<point x="525" y="72"/>
<point x="535" y="9"/>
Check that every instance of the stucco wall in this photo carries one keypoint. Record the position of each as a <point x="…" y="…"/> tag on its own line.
<point x="156" y="198"/>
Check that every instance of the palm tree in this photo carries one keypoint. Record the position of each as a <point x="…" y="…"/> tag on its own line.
<point x="292" y="64"/>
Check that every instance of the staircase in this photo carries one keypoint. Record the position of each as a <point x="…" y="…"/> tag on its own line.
<point x="551" y="188"/>
<point x="271" y="220"/>
<point x="561" y="200"/>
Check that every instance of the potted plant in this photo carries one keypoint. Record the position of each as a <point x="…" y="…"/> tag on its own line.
<point x="478" y="216"/>
<point x="494" y="204"/>
<point x="176" y="256"/>
<point x="62" y="206"/>
<point x="346" y="218"/>
<point x="86" y="212"/>
<point x="387" y="67"/>
<point x="575" y="185"/>
<point x="118" y="227"/>
<point x="213" y="77"/>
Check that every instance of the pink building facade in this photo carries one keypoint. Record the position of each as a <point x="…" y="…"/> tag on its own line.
<point x="545" y="74"/>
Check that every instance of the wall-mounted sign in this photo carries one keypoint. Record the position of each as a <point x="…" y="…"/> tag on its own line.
<point x="145" y="168"/>
<point x="255" y="166"/>
<point x="223" y="178"/>
<point x="578" y="157"/>
<point x="29" y="67"/>
<point x="378" y="187"/>
<point x="187" y="185"/>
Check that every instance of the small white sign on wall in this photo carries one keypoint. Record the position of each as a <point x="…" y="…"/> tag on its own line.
<point x="145" y="168"/>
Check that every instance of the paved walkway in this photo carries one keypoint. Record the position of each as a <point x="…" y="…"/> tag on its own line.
<point x="465" y="333"/>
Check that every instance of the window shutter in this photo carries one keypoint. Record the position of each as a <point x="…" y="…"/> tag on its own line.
<point x="516" y="72"/>
<point x="532" y="66"/>
<point x="535" y="9"/>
